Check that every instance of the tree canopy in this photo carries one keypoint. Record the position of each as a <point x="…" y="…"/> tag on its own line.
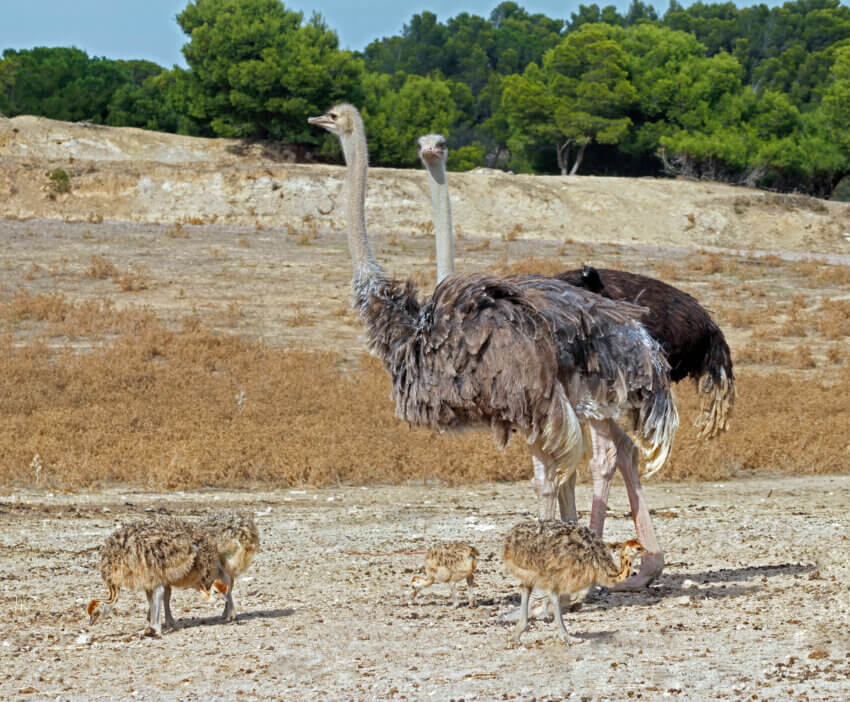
<point x="754" y="95"/>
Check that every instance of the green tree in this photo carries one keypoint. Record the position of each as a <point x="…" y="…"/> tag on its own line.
<point x="64" y="83"/>
<point x="582" y="94"/>
<point x="836" y="100"/>
<point x="398" y="109"/>
<point x="257" y="70"/>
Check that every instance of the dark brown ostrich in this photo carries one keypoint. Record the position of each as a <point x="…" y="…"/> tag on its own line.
<point x="694" y="345"/>
<point x="525" y="352"/>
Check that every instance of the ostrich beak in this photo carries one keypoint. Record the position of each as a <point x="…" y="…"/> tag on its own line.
<point x="322" y="121"/>
<point x="431" y="154"/>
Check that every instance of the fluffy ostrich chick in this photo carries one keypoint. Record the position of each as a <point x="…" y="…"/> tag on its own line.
<point x="561" y="558"/>
<point x="236" y="539"/>
<point x="152" y="556"/>
<point x="448" y="563"/>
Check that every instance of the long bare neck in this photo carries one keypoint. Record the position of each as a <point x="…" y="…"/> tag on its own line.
<point x="611" y="575"/>
<point x="442" y="209"/>
<point x="357" y="162"/>
<point x="387" y="310"/>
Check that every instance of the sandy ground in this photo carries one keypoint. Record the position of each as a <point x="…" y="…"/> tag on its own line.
<point x="753" y="603"/>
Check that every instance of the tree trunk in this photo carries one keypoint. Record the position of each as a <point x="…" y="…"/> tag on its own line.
<point x="562" y="152"/>
<point x="579" y="157"/>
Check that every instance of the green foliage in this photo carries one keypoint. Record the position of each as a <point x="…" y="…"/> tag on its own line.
<point x="466" y="157"/>
<point x="258" y="71"/>
<point x="582" y="94"/>
<point x="58" y="181"/>
<point x="398" y="109"/>
<point x="756" y="95"/>
<point x="836" y="100"/>
<point x="64" y="83"/>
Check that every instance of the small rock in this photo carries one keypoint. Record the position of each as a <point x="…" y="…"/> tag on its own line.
<point x="84" y="638"/>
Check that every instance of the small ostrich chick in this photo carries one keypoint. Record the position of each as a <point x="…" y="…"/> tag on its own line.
<point x="561" y="558"/>
<point x="236" y="539"/>
<point x="152" y="556"/>
<point x="448" y="562"/>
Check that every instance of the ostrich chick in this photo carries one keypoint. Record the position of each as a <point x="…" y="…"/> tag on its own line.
<point x="561" y="558"/>
<point x="152" y="556"/>
<point x="236" y="539"/>
<point x="448" y="562"/>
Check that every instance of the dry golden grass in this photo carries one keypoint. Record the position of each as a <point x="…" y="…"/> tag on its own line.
<point x="103" y="390"/>
<point x="187" y="408"/>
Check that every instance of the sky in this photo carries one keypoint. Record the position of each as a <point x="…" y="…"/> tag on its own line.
<point x="147" y="29"/>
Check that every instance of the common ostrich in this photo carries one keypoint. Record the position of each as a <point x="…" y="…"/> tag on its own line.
<point x="152" y="556"/>
<point x="561" y="559"/>
<point x="524" y="352"/>
<point x="236" y="540"/>
<point x="612" y="448"/>
<point x="448" y="563"/>
<point x="693" y="343"/>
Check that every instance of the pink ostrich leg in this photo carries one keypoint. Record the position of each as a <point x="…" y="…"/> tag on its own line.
<point x="613" y="449"/>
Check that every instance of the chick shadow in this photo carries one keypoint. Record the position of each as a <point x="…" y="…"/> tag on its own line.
<point x="672" y="585"/>
<point x="241" y="618"/>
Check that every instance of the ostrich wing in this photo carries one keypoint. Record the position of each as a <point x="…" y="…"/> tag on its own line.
<point x="514" y="352"/>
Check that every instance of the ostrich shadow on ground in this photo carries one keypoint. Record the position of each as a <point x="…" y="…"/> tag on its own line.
<point x="241" y="618"/>
<point x="720" y="583"/>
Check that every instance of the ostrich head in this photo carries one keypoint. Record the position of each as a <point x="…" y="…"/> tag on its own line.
<point x="217" y="588"/>
<point x="417" y="582"/>
<point x="97" y="608"/>
<point x="341" y="120"/>
<point x="432" y="148"/>
<point x="630" y="550"/>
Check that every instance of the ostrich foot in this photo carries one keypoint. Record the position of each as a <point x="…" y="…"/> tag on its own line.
<point x="541" y="609"/>
<point x="569" y="639"/>
<point x="651" y="566"/>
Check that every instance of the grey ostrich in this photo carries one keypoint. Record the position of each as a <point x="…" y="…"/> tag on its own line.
<point x="523" y="352"/>
<point x="692" y="343"/>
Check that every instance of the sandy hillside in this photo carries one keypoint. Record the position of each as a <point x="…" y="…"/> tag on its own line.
<point x="136" y="175"/>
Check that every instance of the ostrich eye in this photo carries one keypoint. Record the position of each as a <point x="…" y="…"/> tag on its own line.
<point x="332" y="115"/>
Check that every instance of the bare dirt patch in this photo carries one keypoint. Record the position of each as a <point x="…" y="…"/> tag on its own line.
<point x="179" y="318"/>
<point x="753" y="601"/>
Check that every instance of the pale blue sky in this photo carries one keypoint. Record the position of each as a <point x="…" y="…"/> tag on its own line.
<point x="146" y="29"/>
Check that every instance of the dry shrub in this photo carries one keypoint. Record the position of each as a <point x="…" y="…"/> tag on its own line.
<point x="129" y="281"/>
<point x="309" y="232"/>
<point x="483" y="245"/>
<point x="134" y="280"/>
<point x="668" y="271"/>
<point x="513" y="233"/>
<point x="58" y="317"/>
<point x="533" y="265"/>
<point x="190" y="408"/>
<point x="833" y="319"/>
<point x="779" y="424"/>
<point x="177" y="232"/>
<point x="300" y="318"/>
<point x="101" y="268"/>
<point x="182" y="409"/>
<point x="833" y="276"/>
<point x="742" y="317"/>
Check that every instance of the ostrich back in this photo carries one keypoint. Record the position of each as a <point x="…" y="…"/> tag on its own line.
<point x="524" y="351"/>
<point x="692" y="342"/>
<point x="163" y="551"/>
